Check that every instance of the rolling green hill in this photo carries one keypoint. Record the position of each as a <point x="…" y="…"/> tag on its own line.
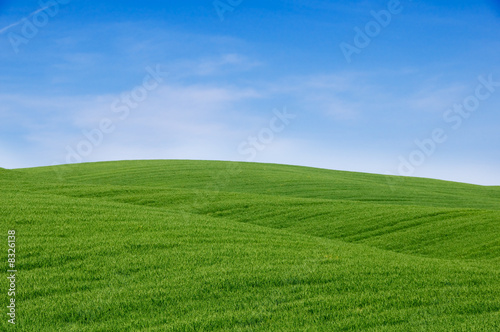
<point x="204" y="245"/>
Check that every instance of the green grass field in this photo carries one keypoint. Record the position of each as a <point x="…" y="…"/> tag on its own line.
<point x="220" y="246"/>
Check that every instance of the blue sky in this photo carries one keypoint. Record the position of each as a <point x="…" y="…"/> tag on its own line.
<point x="263" y="81"/>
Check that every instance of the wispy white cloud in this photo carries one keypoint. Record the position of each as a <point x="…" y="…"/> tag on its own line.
<point x="233" y="61"/>
<point x="212" y="66"/>
<point x="173" y="118"/>
<point x="435" y="97"/>
<point x="10" y="26"/>
<point x="208" y="121"/>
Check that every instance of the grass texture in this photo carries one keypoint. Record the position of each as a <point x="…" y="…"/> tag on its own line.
<point x="222" y="246"/>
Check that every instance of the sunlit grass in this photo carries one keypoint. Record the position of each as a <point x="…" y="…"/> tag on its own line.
<point x="196" y="246"/>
